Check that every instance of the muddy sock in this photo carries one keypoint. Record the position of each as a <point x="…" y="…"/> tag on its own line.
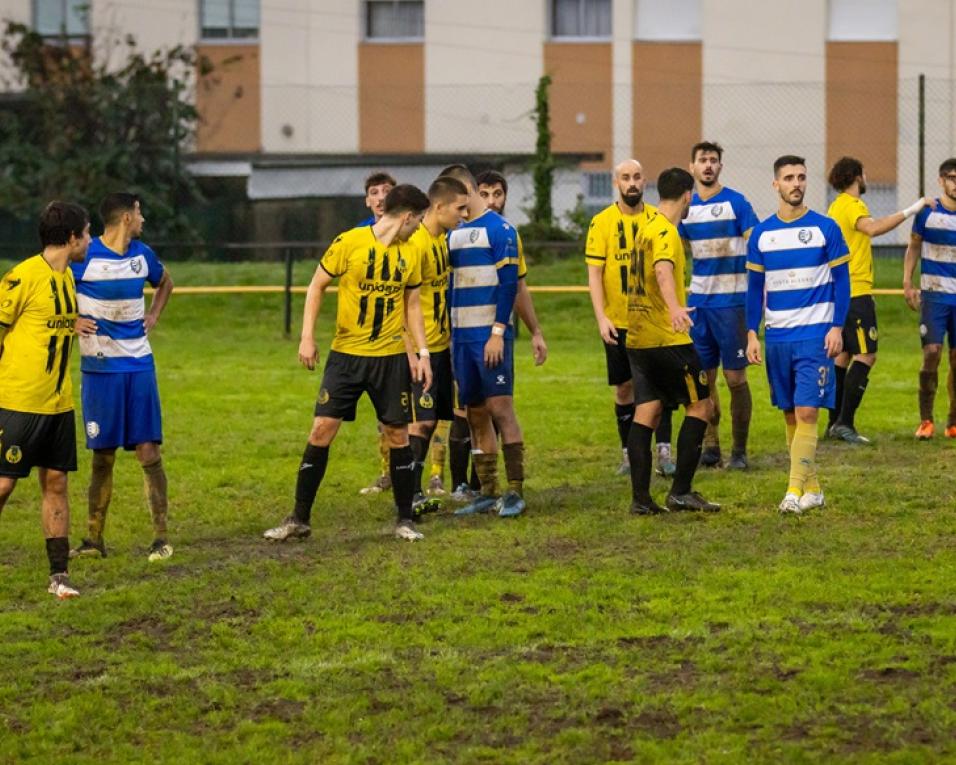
<point x="486" y="466"/>
<point x="951" y="389"/>
<point x="419" y="447"/>
<point x="741" y="410"/>
<point x="459" y="451"/>
<point x="311" y="473"/>
<point x="803" y="452"/>
<point x="100" y="494"/>
<point x="514" y="466"/>
<point x="154" y="480"/>
<point x="689" y="442"/>
<point x="928" y="382"/>
<point x="439" y="449"/>
<point x="712" y="432"/>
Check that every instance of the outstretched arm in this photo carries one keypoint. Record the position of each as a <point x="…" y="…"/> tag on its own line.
<point x="308" y="353"/>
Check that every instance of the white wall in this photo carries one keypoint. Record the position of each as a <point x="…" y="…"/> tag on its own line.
<point x="482" y="63"/>
<point x="12" y="10"/>
<point x="156" y="24"/>
<point x="746" y="45"/>
<point x="309" y="62"/>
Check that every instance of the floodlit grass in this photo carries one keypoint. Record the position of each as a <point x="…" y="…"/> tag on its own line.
<point x="575" y="634"/>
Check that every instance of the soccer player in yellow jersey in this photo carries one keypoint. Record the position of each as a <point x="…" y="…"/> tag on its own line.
<point x="449" y="205"/>
<point x="860" y="333"/>
<point x="611" y="241"/>
<point x="666" y="369"/>
<point x="379" y="293"/>
<point x="38" y="318"/>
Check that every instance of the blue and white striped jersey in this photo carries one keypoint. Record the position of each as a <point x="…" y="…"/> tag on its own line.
<point x="937" y="226"/>
<point x="715" y="230"/>
<point x="109" y="289"/>
<point x="797" y="258"/>
<point x="484" y="279"/>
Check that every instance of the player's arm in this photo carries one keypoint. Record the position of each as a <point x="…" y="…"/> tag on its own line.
<point x="160" y="297"/>
<point x="308" y="353"/>
<point x="422" y="369"/>
<point x="756" y="282"/>
<point x="596" y="288"/>
<point x="877" y="226"/>
<point x="525" y="308"/>
<point x="506" y="261"/>
<point x="680" y="318"/>
<point x="911" y="293"/>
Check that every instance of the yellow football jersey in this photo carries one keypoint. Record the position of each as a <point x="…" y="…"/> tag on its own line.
<point x="38" y="308"/>
<point x="436" y="268"/>
<point x="846" y="210"/>
<point x="611" y="242"/>
<point x="522" y="266"/>
<point x="649" y="321"/>
<point x="372" y="283"/>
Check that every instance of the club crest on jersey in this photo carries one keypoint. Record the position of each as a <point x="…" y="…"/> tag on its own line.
<point x="14" y="455"/>
<point x="804" y="235"/>
<point x="92" y="429"/>
<point x="702" y="377"/>
<point x="473" y="235"/>
<point x="136" y="265"/>
<point x="426" y="401"/>
<point x="923" y="329"/>
<point x="716" y="210"/>
<point x="324" y="396"/>
<point x="873" y="333"/>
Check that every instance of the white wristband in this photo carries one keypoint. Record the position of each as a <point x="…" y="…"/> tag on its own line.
<point x="499" y="331"/>
<point x="913" y="209"/>
<point x="423" y="353"/>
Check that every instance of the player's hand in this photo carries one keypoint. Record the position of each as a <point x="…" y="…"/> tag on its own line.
<point x="608" y="330"/>
<point x="494" y="351"/>
<point x="539" y="348"/>
<point x="422" y="372"/>
<point x="85" y="326"/>
<point x="149" y="321"/>
<point x="680" y="319"/>
<point x="308" y="353"/>
<point x="833" y="342"/>
<point x="912" y="296"/>
<point x="753" y="349"/>
<point x="930" y="202"/>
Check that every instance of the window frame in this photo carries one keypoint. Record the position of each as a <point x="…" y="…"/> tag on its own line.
<point x="554" y="37"/>
<point x="62" y="34"/>
<point x="366" y="7"/>
<point x="229" y="38"/>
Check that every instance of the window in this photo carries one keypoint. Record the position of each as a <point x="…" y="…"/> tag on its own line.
<point x="673" y="21"/>
<point x="394" y="20"/>
<point x="580" y="18"/>
<point x="229" y="19"/>
<point x="61" y="18"/>
<point x="862" y="21"/>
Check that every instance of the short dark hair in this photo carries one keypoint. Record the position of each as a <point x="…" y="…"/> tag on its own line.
<point x="405" y="198"/>
<point x="114" y="205"/>
<point x="59" y="221"/>
<point x="787" y="159"/>
<point x="844" y="172"/>
<point x="461" y="173"/>
<point x="445" y="188"/>
<point x="947" y="166"/>
<point x="674" y="182"/>
<point x="707" y="146"/>
<point x="492" y="178"/>
<point x="377" y="179"/>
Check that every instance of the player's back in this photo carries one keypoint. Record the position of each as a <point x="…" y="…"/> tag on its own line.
<point x="937" y="227"/>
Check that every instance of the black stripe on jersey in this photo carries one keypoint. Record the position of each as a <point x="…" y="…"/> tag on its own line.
<point x="56" y="297"/>
<point x="67" y="298"/>
<point x="621" y="238"/>
<point x="378" y="319"/>
<point x="436" y="308"/>
<point x="329" y="272"/>
<point x="64" y="362"/>
<point x="370" y="268"/>
<point x="50" y="354"/>
<point x="363" y="310"/>
<point x="389" y="306"/>
<point x="386" y="270"/>
<point x="4" y="325"/>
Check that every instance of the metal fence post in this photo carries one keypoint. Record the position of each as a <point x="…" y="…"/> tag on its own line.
<point x="288" y="292"/>
<point x="922" y="135"/>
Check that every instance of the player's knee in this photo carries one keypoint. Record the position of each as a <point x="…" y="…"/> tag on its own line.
<point x="932" y="354"/>
<point x="866" y="358"/>
<point x="147" y="453"/>
<point x="702" y="409"/>
<point x="7" y="486"/>
<point x="624" y="393"/>
<point x="396" y="435"/>
<point x="324" y="430"/>
<point x="422" y="428"/>
<point x="806" y="414"/>
<point x="53" y="483"/>
<point x="735" y="377"/>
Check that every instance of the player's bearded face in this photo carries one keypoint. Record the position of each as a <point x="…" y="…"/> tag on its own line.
<point x="632" y="190"/>
<point x="706" y="168"/>
<point x="494" y="197"/>
<point x="948" y="184"/>
<point x="79" y="245"/>
<point x="375" y="198"/>
<point x="791" y="184"/>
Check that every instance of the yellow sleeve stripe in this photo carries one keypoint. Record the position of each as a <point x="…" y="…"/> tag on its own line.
<point x="840" y="261"/>
<point x="755" y="267"/>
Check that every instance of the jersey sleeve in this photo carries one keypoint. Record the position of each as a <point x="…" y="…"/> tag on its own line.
<point x="335" y="260"/>
<point x="415" y="256"/>
<point x="919" y="222"/>
<point x="13" y="295"/>
<point x="505" y="247"/>
<point x="754" y="255"/>
<point x="836" y="249"/>
<point x="154" y="267"/>
<point x="746" y="216"/>
<point x="665" y="245"/>
<point x="522" y="265"/>
<point x="595" y="250"/>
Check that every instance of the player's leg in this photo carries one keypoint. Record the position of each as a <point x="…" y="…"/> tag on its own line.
<point x="7" y="485"/>
<point x="647" y="414"/>
<point x="932" y="335"/>
<point x="505" y="419"/>
<point x="704" y="334"/>
<point x="663" y="435"/>
<point x="383" y="482"/>
<point x="860" y="342"/>
<point x="469" y="367"/>
<point x="437" y="455"/>
<point x="56" y="530"/>
<point x="950" y="379"/>
<point x="814" y="388"/>
<point x="14" y="464"/>
<point x="841" y="363"/>
<point x="619" y="378"/>
<point x="731" y="332"/>
<point x="401" y="465"/>
<point x="710" y="455"/>
<point x="459" y="455"/>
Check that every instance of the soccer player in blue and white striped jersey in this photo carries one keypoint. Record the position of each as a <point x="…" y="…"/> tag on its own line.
<point x="933" y="244"/>
<point x="120" y="396"/>
<point x="717" y="226"/>
<point x="797" y="259"/>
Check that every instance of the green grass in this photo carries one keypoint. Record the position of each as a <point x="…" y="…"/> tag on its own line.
<point x="575" y="634"/>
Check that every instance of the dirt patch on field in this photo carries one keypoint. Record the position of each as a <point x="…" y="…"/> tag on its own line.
<point x="890" y="674"/>
<point x="285" y="710"/>
<point x="150" y="626"/>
